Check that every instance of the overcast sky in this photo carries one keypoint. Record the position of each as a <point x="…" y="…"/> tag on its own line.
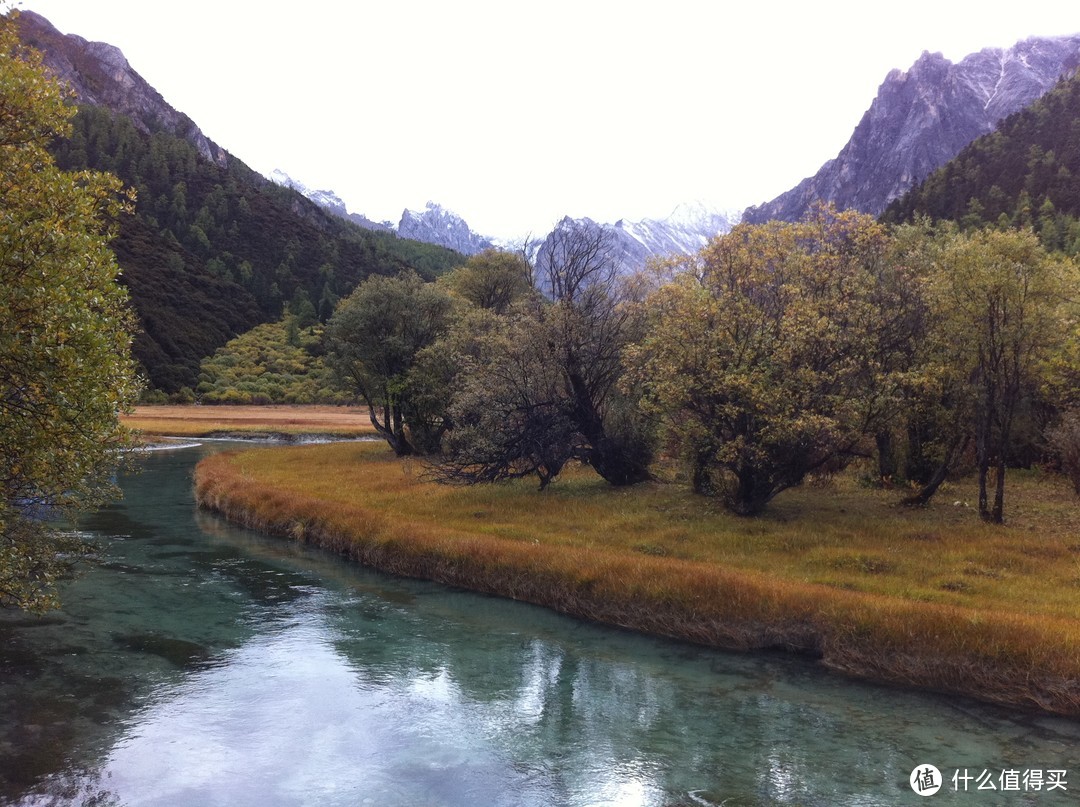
<point x="514" y="114"/>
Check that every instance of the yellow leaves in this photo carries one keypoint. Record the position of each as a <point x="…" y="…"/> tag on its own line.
<point x="769" y="351"/>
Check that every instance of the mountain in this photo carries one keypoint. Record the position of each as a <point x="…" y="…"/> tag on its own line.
<point x="100" y="76"/>
<point x="436" y="225"/>
<point x="432" y="225"/>
<point x="922" y="118"/>
<point x="632" y="243"/>
<point x="328" y="201"/>
<point x="213" y="248"/>
<point x="1023" y="174"/>
<point x="685" y="231"/>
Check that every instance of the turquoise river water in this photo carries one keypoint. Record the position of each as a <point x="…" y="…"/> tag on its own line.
<point x="195" y="663"/>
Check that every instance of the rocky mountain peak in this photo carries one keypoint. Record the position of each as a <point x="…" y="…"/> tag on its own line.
<point x="920" y="120"/>
<point x="631" y="244"/>
<point x="100" y="75"/>
<point x="327" y="200"/>
<point x="436" y="225"/>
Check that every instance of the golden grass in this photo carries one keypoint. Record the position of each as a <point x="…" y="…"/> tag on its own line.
<point x="210" y="421"/>
<point x="931" y="597"/>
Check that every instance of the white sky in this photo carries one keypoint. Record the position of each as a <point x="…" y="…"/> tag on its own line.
<point x="514" y="114"/>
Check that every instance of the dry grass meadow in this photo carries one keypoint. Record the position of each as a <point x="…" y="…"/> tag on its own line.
<point x="215" y="421"/>
<point x="927" y="597"/>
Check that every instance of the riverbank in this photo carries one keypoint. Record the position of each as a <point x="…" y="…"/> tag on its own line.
<point x="928" y="598"/>
<point x="277" y="422"/>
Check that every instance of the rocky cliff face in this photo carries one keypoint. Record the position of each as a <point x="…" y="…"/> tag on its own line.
<point x="100" y="75"/>
<point x="921" y="119"/>
<point x="436" y="225"/>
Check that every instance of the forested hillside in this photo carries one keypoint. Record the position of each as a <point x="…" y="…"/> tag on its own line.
<point x="213" y="251"/>
<point x="1027" y="174"/>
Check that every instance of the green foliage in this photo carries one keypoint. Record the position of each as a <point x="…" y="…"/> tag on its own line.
<point x="510" y="413"/>
<point x="1022" y="175"/>
<point x="213" y="251"/>
<point x="65" y="365"/>
<point x="538" y="385"/>
<point x="373" y="341"/>
<point x="275" y="363"/>
<point x="492" y="279"/>
<point x="1065" y="443"/>
<point x="1001" y="307"/>
<point x="775" y="351"/>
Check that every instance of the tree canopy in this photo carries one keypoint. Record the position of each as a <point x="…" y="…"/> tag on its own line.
<point x="65" y="365"/>
<point x="775" y="351"/>
<point x="373" y="341"/>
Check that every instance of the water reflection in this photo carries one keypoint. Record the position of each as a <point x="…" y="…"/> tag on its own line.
<point x="202" y="665"/>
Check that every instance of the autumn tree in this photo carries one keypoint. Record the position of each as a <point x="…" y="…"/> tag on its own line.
<point x="999" y="298"/>
<point x="372" y="342"/>
<point x="65" y="366"/>
<point x="775" y="351"/>
<point x="934" y="423"/>
<point x="492" y="279"/>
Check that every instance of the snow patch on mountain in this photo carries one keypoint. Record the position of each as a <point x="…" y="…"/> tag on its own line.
<point x="921" y="119"/>
<point x="327" y="200"/>
<point x="437" y="225"/>
<point x="632" y="244"/>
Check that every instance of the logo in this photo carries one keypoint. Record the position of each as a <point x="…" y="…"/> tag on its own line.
<point x="925" y="780"/>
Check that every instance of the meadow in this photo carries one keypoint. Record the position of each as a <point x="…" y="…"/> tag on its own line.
<point x="927" y="597"/>
<point x="247" y="421"/>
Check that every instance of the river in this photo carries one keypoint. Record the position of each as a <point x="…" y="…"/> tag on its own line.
<point x="196" y="664"/>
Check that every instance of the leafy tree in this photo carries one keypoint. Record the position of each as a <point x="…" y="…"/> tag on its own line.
<point x="509" y="411"/>
<point x="65" y="366"/>
<point x="542" y="390"/>
<point x="1065" y="443"/>
<point x="1000" y="301"/>
<point x="373" y="340"/>
<point x="935" y="420"/>
<point x="492" y="279"/>
<point x="775" y="351"/>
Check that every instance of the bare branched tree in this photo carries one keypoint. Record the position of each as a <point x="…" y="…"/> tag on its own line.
<point x="548" y="392"/>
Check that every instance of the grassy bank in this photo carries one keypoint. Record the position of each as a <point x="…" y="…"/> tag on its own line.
<point x="219" y="421"/>
<point x="929" y="598"/>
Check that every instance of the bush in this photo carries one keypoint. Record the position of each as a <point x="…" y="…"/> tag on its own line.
<point x="184" y="396"/>
<point x="1064" y="441"/>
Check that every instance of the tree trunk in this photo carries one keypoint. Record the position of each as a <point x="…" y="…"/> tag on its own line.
<point x="982" y="455"/>
<point x="998" y="514"/>
<point x="940" y="474"/>
<point x="390" y="427"/>
<point x="608" y="457"/>
<point x="886" y="450"/>
<point x="701" y="479"/>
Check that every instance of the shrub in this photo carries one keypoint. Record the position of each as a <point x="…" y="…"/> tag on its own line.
<point x="1065" y="443"/>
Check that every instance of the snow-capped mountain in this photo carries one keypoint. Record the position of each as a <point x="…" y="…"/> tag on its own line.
<point x="432" y="225"/>
<point x="921" y="119"/>
<point x="436" y="225"/>
<point x="328" y="200"/>
<point x="632" y="243"/>
<point x="685" y="231"/>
